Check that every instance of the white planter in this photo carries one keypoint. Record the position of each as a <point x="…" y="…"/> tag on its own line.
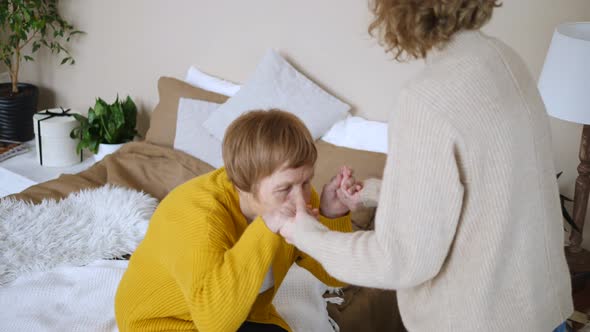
<point x="105" y="149"/>
<point x="55" y="148"/>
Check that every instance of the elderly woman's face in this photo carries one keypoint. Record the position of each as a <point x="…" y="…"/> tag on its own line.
<point x="282" y="185"/>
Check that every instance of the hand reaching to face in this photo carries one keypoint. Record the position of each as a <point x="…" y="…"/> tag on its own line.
<point x="349" y="192"/>
<point x="276" y="218"/>
<point x="302" y="210"/>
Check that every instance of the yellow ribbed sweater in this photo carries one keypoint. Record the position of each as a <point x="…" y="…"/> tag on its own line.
<point x="201" y="265"/>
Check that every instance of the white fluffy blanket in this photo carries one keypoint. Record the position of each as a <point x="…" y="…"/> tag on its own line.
<point x="92" y="224"/>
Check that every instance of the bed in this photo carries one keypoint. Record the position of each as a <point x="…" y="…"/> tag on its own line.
<point x="153" y="166"/>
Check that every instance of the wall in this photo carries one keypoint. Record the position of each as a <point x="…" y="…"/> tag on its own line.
<point x="129" y="44"/>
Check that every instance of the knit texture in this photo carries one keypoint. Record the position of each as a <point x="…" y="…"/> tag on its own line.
<point x="468" y="228"/>
<point x="370" y="193"/>
<point x="201" y="265"/>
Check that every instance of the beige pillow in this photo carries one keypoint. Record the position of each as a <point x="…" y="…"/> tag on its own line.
<point x="364" y="163"/>
<point x="163" y="119"/>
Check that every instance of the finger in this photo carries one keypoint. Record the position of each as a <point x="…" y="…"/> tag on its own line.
<point x="342" y="195"/>
<point x="349" y="182"/>
<point x="346" y="170"/>
<point x="345" y="180"/>
<point x="300" y="204"/>
<point x="334" y="182"/>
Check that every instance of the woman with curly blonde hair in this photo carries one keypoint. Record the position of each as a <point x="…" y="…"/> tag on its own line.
<point x="468" y="227"/>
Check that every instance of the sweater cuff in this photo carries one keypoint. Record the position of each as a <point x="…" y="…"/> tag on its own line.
<point x="370" y="192"/>
<point x="307" y="232"/>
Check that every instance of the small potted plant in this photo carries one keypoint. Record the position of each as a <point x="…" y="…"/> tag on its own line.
<point x="107" y="127"/>
<point x="24" y="23"/>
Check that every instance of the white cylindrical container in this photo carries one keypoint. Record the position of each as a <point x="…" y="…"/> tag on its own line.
<point x="55" y="148"/>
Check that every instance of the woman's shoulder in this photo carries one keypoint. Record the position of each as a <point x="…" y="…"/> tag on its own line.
<point x="205" y="192"/>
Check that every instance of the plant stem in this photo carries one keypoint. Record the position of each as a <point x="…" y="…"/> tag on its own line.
<point x="14" y="72"/>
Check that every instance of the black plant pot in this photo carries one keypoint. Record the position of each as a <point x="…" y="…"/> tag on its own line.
<point x="16" y="111"/>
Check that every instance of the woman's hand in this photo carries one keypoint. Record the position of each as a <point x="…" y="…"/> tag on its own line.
<point x="349" y="192"/>
<point x="301" y="211"/>
<point x="276" y="218"/>
<point x="331" y="206"/>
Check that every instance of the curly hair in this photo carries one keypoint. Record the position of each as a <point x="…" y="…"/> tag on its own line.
<point x="409" y="29"/>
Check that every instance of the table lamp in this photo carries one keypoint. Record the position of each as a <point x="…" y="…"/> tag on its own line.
<point x="565" y="87"/>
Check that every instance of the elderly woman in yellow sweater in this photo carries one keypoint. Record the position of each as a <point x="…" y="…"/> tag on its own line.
<point x="468" y="227"/>
<point x="212" y="259"/>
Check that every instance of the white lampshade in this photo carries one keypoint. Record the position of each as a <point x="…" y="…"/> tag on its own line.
<point x="565" y="80"/>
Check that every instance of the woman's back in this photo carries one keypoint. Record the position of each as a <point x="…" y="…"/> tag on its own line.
<point x="505" y="266"/>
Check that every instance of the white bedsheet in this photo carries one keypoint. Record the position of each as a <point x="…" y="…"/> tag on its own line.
<point x="63" y="299"/>
<point x="12" y="183"/>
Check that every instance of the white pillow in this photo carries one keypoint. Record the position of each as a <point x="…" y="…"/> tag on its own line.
<point x="207" y="82"/>
<point x="358" y="133"/>
<point x="276" y="84"/>
<point x="191" y="137"/>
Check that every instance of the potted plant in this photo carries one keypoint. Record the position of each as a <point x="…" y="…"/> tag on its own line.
<point x="107" y="127"/>
<point x="27" y="22"/>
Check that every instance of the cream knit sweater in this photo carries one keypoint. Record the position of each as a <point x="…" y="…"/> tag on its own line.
<point x="468" y="228"/>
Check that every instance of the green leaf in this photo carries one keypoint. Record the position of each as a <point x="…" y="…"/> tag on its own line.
<point x="100" y="108"/>
<point x="33" y="21"/>
<point x="80" y="118"/>
<point x="65" y="60"/>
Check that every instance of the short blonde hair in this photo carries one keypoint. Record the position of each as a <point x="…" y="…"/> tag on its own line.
<point x="258" y="143"/>
<point x="410" y="28"/>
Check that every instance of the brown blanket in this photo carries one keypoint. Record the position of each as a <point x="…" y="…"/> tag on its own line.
<point x="157" y="170"/>
<point x="154" y="169"/>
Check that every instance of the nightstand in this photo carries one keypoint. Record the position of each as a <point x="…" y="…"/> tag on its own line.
<point x="22" y="171"/>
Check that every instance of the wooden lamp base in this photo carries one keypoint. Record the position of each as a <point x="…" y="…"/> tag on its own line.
<point x="578" y="259"/>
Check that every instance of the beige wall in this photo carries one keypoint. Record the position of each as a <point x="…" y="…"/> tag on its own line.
<point x="129" y="44"/>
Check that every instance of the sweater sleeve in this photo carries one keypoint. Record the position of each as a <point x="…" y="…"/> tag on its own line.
<point x="370" y="192"/>
<point x="419" y="207"/>
<point x="219" y="279"/>
<point x="342" y="224"/>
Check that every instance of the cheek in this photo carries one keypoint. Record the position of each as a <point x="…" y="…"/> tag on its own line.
<point x="274" y="200"/>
